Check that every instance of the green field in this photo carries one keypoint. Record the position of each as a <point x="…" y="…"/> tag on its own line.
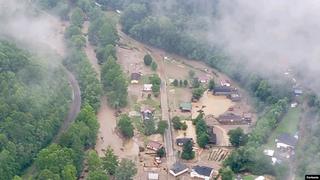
<point x="249" y="177"/>
<point x="289" y="124"/>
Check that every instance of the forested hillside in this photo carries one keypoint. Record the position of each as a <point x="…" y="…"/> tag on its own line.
<point x="34" y="99"/>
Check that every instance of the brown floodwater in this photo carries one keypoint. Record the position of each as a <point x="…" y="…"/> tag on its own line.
<point x="107" y="135"/>
<point x="210" y="104"/>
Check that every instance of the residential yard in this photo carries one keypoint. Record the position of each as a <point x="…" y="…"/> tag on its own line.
<point x="249" y="177"/>
<point x="289" y="124"/>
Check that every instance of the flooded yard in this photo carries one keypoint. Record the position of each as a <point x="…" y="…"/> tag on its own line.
<point x="107" y="135"/>
<point x="190" y="132"/>
<point x="210" y="104"/>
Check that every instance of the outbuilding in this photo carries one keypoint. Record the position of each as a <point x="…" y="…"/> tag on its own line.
<point x="186" y="107"/>
<point x="183" y="141"/>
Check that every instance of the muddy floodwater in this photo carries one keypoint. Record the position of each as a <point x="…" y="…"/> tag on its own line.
<point x="107" y="135"/>
<point x="190" y="132"/>
<point x="210" y="104"/>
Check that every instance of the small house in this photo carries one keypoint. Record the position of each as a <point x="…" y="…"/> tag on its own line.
<point x="153" y="176"/>
<point x="201" y="172"/>
<point x="225" y="82"/>
<point x="135" y="77"/>
<point x="147" y="114"/>
<point x="154" y="145"/>
<point x="204" y="79"/>
<point x="268" y="152"/>
<point x="186" y="107"/>
<point x="230" y="118"/>
<point x="147" y="87"/>
<point x="247" y="117"/>
<point x="235" y="97"/>
<point x="212" y="135"/>
<point x="223" y="91"/>
<point x="183" y="141"/>
<point x="297" y="92"/>
<point x="286" y="141"/>
<point x="178" y="168"/>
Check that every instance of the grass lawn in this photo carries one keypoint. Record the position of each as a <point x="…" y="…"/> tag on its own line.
<point x="289" y="124"/>
<point x="249" y="177"/>
<point x="154" y="103"/>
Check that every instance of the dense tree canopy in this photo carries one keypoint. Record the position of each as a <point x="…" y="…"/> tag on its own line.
<point x="237" y="137"/>
<point x="126" y="170"/>
<point x="33" y="103"/>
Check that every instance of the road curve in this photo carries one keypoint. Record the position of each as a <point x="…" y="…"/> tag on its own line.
<point x="74" y="106"/>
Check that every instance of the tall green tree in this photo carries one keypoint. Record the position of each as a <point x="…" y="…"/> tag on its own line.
<point x="110" y="161"/>
<point x="237" y="137"/>
<point x="147" y="59"/>
<point x="126" y="170"/>
<point x="125" y="126"/>
<point x="187" y="152"/>
<point x="77" y="17"/>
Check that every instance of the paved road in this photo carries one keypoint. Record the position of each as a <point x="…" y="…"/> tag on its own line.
<point x="165" y="117"/>
<point x="168" y="140"/>
<point x="74" y="106"/>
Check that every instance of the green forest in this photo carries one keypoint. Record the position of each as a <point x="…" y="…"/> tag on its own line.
<point x="34" y="98"/>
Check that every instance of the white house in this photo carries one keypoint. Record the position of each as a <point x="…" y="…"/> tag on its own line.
<point x="201" y="172"/>
<point x="153" y="176"/>
<point x="260" y="178"/>
<point x="147" y="87"/>
<point x="268" y="152"/>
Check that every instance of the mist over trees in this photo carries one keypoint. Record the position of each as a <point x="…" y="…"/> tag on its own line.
<point x="33" y="105"/>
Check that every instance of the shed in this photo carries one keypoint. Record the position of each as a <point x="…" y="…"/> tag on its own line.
<point x="135" y="77"/>
<point x="153" y="176"/>
<point x="186" y="107"/>
<point x="235" y="97"/>
<point x="182" y="141"/>
<point x="147" y="87"/>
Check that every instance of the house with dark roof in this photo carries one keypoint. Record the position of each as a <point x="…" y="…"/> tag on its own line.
<point x="235" y="97"/>
<point x="212" y="135"/>
<point x="230" y="118"/>
<point x="135" y="77"/>
<point x="178" y="168"/>
<point x="186" y="107"/>
<point x="286" y="141"/>
<point x="182" y="141"/>
<point x="223" y="91"/>
<point x="297" y="92"/>
<point x="202" y="172"/>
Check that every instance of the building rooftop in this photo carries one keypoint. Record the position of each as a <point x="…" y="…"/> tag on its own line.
<point x="203" y="170"/>
<point x="187" y="106"/>
<point x="135" y="76"/>
<point x="183" y="140"/>
<point x="178" y="167"/>
<point x="287" y="139"/>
